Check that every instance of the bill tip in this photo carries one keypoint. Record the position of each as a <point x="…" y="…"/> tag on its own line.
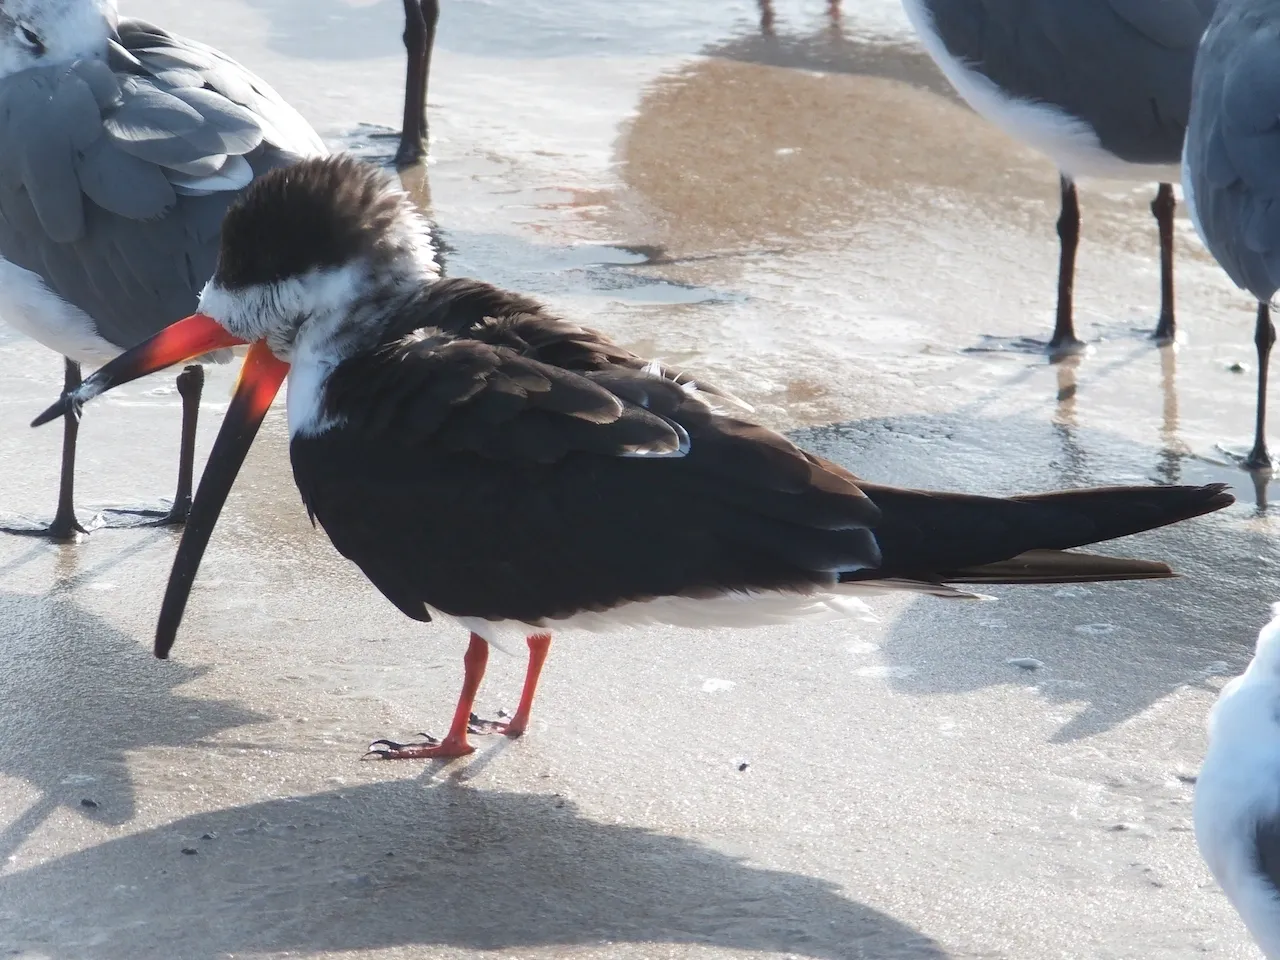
<point x="60" y="408"/>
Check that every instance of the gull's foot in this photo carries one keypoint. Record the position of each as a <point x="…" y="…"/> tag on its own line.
<point x="368" y="141"/>
<point x="1254" y="459"/>
<point x="989" y="344"/>
<point x="61" y="530"/>
<point x="1166" y="331"/>
<point x="378" y="131"/>
<point x="1066" y="347"/>
<point x="1160" y="338"/>
<point x="411" y="152"/>
<point x="1030" y="345"/>
<point x="1258" y="461"/>
<point x="428" y="749"/>
<point x="175" y="516"/>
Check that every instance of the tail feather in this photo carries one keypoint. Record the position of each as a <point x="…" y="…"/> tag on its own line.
<point x="930" y="587"/>
<point x="1059" y="566"/>
<point x="957" y="538"/>
<point x="1114" y="512"/>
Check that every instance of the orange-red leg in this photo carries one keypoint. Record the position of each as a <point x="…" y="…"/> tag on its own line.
<point x="539" y="645"/>
<point x="455" y="743"/>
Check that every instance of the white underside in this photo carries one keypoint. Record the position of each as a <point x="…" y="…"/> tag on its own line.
<point x="31" y="308"/>
<point x="1189" y="198"/>
<point x="737" y="610"/>
<point x="1069" y="141"/>
<point x="1239" y="787"/>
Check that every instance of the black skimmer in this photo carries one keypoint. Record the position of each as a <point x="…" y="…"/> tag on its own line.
<point x="1100" y="87"/>
<point x="121" y="147"/>
<point x="480" y="458"/>
<point x="1237" y="801"/>
<point x="1228" y="164"/>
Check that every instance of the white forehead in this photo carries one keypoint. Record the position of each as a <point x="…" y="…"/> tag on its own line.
<point x="252" y="312"/>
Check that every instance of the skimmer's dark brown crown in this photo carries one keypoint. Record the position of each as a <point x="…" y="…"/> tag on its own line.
<point x="321" y="212"/>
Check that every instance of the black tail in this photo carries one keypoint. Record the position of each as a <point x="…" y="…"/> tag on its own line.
<point x="956" y="538"/>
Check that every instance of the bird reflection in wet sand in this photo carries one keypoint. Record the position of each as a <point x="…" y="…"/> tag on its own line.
<point x="1173" y="449"/>
<point x="482" y="459"/>
<point x="1065" y="423"/>
<point x="416" y="182"/>
<point x="767" y="17"/>
<point x="831" y="49"/>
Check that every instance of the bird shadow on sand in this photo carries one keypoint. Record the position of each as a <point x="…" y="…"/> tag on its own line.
<point x="428" y="864"/>
<point x="78" y="696"/>
<point x="1110" y="651"/>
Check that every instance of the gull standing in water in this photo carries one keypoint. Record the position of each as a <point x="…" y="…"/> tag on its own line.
<point x="121" y="147"/>
<point x="1101" y="87"/>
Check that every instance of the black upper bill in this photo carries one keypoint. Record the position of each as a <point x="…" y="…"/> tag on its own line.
<point x="187" y="339"/>
<point x="260" y="379"/>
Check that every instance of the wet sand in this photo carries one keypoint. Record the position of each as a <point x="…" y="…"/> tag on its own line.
<point x="811" y="219"/>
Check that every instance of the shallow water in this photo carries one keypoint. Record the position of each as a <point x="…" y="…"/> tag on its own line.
<point x="806" y="215"/>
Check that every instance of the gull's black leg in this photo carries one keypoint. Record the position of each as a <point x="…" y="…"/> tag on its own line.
<point x="1064" y="332"/>
<point x="65" y="526"/>
<point x="420" y="18"/>
<point x="1264" y="337"/>
<point x="190" y="387"/>
<point x="1162" y="207"/>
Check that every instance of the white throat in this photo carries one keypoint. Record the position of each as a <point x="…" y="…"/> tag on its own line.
<point x="304" y="394"/>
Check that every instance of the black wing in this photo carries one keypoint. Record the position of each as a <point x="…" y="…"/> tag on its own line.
<point x="484" y="483"/>
<point x="465" y="396"/>
<point x="475" y="310"/>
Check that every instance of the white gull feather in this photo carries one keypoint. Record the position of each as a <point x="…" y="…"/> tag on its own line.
<point x="1239" y="788"/>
